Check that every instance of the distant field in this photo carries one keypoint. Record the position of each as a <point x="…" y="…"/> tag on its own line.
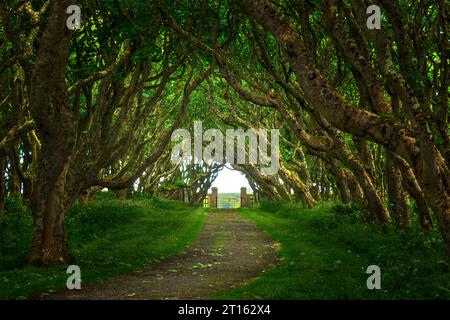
<point x="229" y="200"/>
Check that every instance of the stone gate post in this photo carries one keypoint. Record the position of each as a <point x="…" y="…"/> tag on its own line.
<point x="244" y="198"/>
<point x="213" y="198"/>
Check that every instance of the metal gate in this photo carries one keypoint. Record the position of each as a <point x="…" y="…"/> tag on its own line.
<point x="228" y="200"/>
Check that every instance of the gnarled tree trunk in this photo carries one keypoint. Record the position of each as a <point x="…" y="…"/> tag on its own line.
<point x="55" y="126"/>
<point x="49" y="243"/>
<point x="396" y="194"/>
<point x="341" y="181"/>
<point x="412" y="186"/>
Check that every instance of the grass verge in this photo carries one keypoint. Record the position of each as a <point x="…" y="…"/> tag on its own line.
<point x="325" y="254"/>
<point x="108" y="238"/>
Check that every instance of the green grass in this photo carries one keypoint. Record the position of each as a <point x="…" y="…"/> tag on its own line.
<point x="108" y="237"/>
<point x="325" y="252"/>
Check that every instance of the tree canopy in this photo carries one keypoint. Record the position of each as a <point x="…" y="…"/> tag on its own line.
<point x="362" y="113"/>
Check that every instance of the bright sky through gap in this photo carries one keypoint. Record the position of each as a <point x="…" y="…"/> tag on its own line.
<point x="230" y="181"/>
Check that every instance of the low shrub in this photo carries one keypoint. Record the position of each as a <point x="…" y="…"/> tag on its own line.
<point x="16" y="232"/>
<point x="347" y="212"/>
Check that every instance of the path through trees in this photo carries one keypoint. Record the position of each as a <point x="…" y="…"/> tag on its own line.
<point x="362" y="113"/>
<point x="230" y="251"/>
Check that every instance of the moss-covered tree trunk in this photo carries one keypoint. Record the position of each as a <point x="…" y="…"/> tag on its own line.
<point x="55" y="125"/>
<point x="396" y="194"/>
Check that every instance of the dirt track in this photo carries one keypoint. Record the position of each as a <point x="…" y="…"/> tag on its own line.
<point x="229" y="252"/>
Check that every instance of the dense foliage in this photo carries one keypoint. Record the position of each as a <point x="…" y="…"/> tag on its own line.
<point x="362" y="113"/>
